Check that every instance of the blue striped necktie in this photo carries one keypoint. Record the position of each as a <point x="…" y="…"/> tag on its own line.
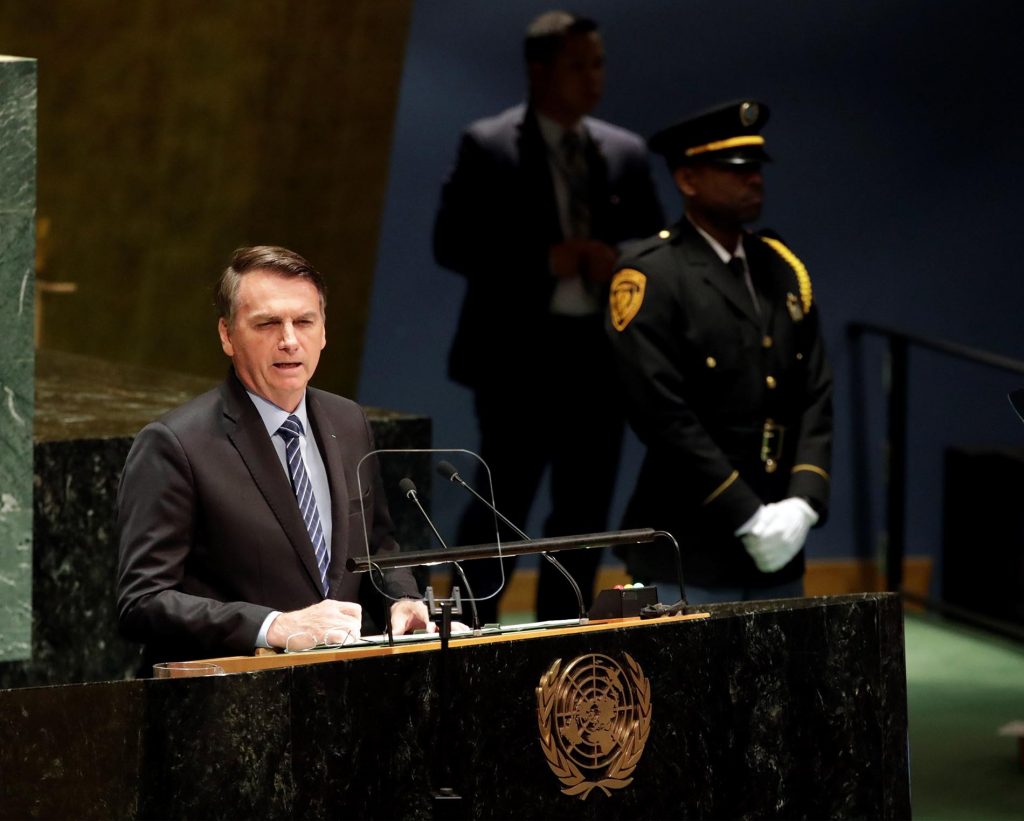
<point x="290" y="431"/>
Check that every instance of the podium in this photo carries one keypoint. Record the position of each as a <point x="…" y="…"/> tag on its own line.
<point x="784" y="709"/>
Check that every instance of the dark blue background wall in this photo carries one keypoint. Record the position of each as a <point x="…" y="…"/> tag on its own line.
<point x="898" y="134"/>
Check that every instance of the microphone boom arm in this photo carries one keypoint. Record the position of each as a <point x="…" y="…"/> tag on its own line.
<point x="530" y="547"/>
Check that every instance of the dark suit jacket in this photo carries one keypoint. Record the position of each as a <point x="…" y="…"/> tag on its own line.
<point x="211" y="538"/>
<point x="702" y="373"/>
<point x="498" y="219"/>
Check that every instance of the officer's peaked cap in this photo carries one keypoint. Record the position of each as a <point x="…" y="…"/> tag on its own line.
<point x="729" y="133"/>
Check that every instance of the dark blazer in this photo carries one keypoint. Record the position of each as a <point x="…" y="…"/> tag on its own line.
<point x="702" y="374"/>
<point x="498" y="219"/>
<point x="211" y="538"/>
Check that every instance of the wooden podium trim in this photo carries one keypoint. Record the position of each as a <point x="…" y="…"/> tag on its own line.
<point x="276" y="660"/>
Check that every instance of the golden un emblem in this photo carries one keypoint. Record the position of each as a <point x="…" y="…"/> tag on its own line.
<point x="594" y="717"/>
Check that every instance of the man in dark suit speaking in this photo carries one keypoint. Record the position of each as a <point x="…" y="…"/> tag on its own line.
<point x="238" y="510"/>
<point x="540" y="199"/>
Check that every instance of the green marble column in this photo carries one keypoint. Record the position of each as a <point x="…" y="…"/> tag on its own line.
<point x="17" y="251"/>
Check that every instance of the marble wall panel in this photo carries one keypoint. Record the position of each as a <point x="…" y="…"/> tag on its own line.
<point x="17" y="250"/>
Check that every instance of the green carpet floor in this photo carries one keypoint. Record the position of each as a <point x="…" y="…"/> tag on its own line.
<point x="962" y="686"/>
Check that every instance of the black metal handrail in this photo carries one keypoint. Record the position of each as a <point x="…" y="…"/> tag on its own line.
<point x="954" y="349"/>
<point x="900" y="343"/>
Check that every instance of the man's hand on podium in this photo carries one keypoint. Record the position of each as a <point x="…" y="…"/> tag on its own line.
<point x="408" y="615"/>
<point x="316" y="621"/>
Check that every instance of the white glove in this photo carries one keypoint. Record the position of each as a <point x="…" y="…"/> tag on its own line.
<point x="776" y="532"/>
<point x="760" y="516"/>
<point x="752" y="534"/>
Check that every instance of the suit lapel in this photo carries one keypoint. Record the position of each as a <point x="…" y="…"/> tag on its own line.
<point x="597" y="166"/>
<point x="702" y="257"/>
<point x="539" y="189"/>
<point x="248" y="434"/>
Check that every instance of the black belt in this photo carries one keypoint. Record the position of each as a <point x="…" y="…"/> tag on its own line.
<point x="740" y="443"/>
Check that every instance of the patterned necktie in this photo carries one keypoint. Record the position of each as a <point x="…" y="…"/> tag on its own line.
<point x="290" y="431"/>
<point x="577" y="176"/>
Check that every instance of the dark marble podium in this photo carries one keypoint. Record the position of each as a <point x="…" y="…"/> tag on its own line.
<point x="788" y="709"/>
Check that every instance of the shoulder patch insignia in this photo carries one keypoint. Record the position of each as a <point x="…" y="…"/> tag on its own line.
<point x="627" y="295"/>
<point x="802" y="277"/>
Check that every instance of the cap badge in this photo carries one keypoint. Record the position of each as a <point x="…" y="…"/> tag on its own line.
<point x="749" y="113"/>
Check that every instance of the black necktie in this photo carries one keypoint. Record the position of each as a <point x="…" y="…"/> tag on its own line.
<point x="739" y="268"/>
<point x="577" y="177"/>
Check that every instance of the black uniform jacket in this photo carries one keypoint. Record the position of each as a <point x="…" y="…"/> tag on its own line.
<point x="211" y="537"/>
<point x="733" y="404"/>
<point x="498" y="219"/>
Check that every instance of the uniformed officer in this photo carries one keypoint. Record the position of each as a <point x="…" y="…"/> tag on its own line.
<point x="718" y="344"/>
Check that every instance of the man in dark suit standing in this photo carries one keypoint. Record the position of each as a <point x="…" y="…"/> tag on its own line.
<point x="719" y="345"/>
<point x="540" y="197"/>
<point x="238" y="510"/>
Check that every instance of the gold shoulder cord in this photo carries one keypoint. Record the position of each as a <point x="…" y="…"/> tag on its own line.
<point x="802" y="277"/>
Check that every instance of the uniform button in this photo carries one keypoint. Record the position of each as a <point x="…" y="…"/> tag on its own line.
<point x="799" y="356"/>
<point x="711" y="362"/>
<point x="766" y="342"/>
<point x="770" y="382"/>
<point x="664" y="233"/>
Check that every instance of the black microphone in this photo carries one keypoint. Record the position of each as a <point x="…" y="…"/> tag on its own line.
<point x="408" y="487"/>
<point x="448" y="471"/>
